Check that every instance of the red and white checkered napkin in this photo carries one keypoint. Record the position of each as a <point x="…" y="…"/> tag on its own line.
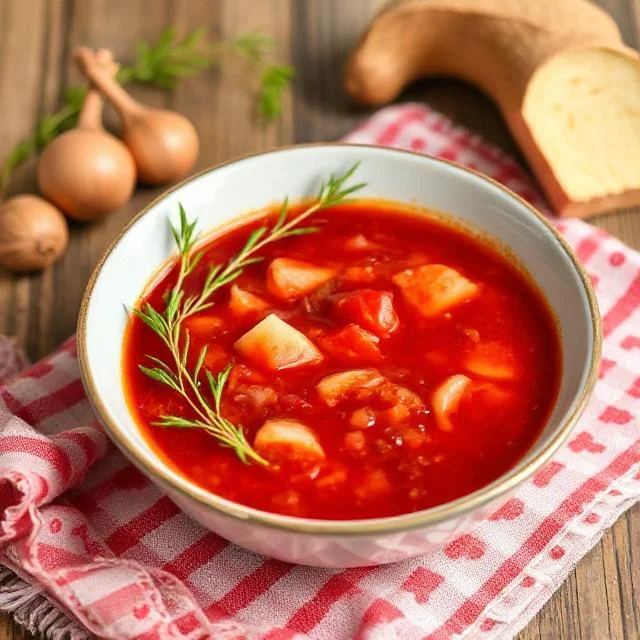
<point x="118" y="557"/>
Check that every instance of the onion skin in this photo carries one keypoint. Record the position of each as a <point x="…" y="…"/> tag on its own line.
<point x="33" y="233"/>
<point x="164" y="144"/>
<point x="87" y="172"/>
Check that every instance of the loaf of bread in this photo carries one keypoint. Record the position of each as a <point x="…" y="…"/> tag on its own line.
<point x="567" y="86"/>
<point x="581" y="130"/>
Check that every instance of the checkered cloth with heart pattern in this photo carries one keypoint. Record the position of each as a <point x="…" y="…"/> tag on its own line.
<point x="116" y="558"/>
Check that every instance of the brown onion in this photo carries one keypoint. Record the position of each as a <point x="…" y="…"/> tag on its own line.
<point x="33" y="233"/>
<point x="88" y="172"/>
<point x="164" y="143"/>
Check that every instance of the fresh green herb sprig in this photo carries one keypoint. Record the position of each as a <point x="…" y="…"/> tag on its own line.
<point x="273" y="82"/>
<point x="169" y="60"/>
<point x="163" y="64"/>
<point x="167" y="324"/>
<point x="274" y="78"/>
<point x="48" y="127"/>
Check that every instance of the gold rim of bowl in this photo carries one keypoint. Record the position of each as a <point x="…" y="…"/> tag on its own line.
<point x="499" y="487"/>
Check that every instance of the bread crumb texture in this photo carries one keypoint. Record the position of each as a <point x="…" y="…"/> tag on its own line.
<point x="579" y="104"/>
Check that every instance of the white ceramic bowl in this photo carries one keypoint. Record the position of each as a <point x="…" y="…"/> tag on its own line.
<point x="220" y="195"/>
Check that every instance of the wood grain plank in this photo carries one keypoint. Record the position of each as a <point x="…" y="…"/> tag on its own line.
<point x="627" y="544"/>
<point x="624" y="224"/>
<point x="634" y="11"/>
<point x="10" y="630"/>
<point x="592" y="596"/>
<point x="42" y="291"/>
<point x="116" y="24"/>
<point x="619" y="549"/>
<point x="22" y="48"/>
<point x="31" y="46"/>
<point x="558" y="619"/>
<point x="222" y="103"/>
<point x="324" y="33"/>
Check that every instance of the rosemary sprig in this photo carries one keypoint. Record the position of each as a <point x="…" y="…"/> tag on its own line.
<point x="167" y="324"/>
<point x="163" y="64"/>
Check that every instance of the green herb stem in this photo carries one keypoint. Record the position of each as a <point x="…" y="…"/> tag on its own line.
<point x="168" y="323"/>
<point x="163" y="64"/>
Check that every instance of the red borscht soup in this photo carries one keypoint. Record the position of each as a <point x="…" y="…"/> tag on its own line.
<point x="384" y="364"/>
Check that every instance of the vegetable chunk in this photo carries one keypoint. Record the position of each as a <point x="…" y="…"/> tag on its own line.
<point x="375" y="485"/>
<point x="360" y="242"/>
<point x="274" y="344"/>
<point x="281" y="440"/>
<point x="338" y="387"/>
<point x="434" y="288"/>
<point x="205" y="325"/>
<point x="256" y="397"/>
<point x="352" y="344"/>
<point x="242" y="302"/>
<point x="289" y="279"/>
<point x="492" y="360"/>
<point x="372" y="310"/>
<point x="446" y="399"/>
<point x="367" y="385"/>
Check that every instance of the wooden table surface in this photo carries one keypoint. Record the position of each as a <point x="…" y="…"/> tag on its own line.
<point x="600" y="598"/>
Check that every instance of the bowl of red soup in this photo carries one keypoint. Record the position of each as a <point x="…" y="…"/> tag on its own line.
<point x="339" y="355"/>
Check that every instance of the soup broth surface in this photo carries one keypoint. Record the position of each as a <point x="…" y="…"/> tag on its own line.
<point x="384" y="364"/>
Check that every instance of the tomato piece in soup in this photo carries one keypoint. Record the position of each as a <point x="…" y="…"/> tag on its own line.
<point x="372" y="310"/>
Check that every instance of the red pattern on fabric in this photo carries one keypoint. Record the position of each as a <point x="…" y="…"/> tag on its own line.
<point x="556" y="553"/>
<point x="630" y="342"/>
<point x="487" y="624"/>
<point x="253" y="586"/>
<point x="634" y="390"/>
<point x="60" y="400"/>
<point x="97" y="537"/>
<point x="509" y="511"/>
<point x="196" y="555"/>
<point x="571" y="507"/>
<point x="379" y="612"/>
<point x="466" y="546"/>
<point x="422" y="583"/>
<point x="605" y="367"/>
<point x="623" y="307"/>
<point x="584" y="442"/>
<point x="47" y="451"/>
<point x="587" y="247"/>
<point x="336" y="588"/>
<point x="546" y="474"/>
<point x="134" y="530"/>
<point x="614" y="414"/>
<point x="616" y="258"/>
